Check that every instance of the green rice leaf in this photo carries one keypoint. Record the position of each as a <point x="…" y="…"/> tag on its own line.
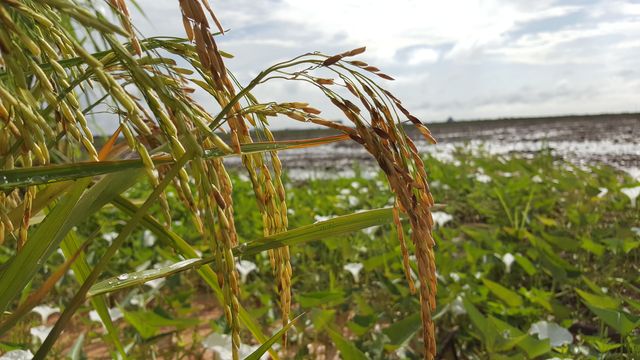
<point x="39" y="175"/>
<point x="267" y="345"/>
<point x="336" y="226"/>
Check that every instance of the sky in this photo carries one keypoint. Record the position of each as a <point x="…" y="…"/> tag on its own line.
<point x="465" y="59"/>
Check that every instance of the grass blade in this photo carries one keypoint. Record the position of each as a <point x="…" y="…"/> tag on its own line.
<point x="256" y="355"/>
<point x="321" y="230"/>
<point x="21" y="268"/>
<point x="81" y="271"/>
<point x="38" y="175"/>
<point x="80" y="296"/>
<point x="205" y="271"/>
<point x="35" y="298"/>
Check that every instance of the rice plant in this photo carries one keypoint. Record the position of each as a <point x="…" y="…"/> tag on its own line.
<point x="61" y="61"/>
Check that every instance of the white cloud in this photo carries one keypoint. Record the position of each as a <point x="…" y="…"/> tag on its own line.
<point x="423" y="56"/>
<point x="468" y="58"/>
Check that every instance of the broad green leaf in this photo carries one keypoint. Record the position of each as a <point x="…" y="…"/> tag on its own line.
<point x="532" y="346"/>
<point x="148" y="323"/>
<point x="320" y="298"/>
<point x="321" y="318"/>
<point x="400" y="332"/>
<point x="256" y="355"/>
<point x="593" y="247"/>
<point x="524" y="262"/>
<point x="621" y="321"/>
<point x="489" y="334"/>
<point x="362" y="324"/>
<point x="601" y="344"/>
<point x="600" y="301"/>
<point x="547" y="221"/>
<point x="348" y="350"/>
<point x="509" y="297"/>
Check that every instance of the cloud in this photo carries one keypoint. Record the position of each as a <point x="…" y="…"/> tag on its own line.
<point x="423" y="56"/>
<point x="460" y="58"/>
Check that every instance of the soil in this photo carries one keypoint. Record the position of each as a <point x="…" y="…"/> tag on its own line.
<point x="609" y="138"/>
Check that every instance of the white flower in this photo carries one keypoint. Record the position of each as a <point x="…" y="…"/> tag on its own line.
<point x="603" y="192"/>
<point x="455" y="276"/>
<point x="148" y="239"/>
<point x="508" y="259"/>
<point x="371" y="231"/>
<point x="245" y="267"/>
<point x="319" y="218"/>
<point x="556" y="334"/>
<point x="353" y="201"/>
<point x="17" y="355"/>
<point x="345" y="191"/>
<point x="354" y="269"/>
<point x="114" y="313"/>
<point x="137" y="300"/>
<point x="110" y="236"/>
<point x="483" y="178"/>
<point x="221" y="345"/>
<point x="355" y="185"/>
<point x="456" y="307"/>
<point x="441" y="218"/>
<point x="45" y="311"/>
<point x="636" y="230"/>
<point x="40" y="332"/>
<point x="632" y="193"/>
<point x="536" y="179"/>
<point x="155" y="283"/>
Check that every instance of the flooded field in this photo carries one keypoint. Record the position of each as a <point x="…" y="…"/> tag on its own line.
<point x="612" y="139"/>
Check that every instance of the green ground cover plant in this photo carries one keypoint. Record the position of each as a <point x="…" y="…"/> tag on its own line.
<point x="560" y="282"/>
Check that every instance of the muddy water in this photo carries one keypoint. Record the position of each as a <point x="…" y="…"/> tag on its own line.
<point x="611" y="139"/>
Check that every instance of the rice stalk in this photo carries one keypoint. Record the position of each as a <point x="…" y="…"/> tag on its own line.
<point x="45" y="69"/>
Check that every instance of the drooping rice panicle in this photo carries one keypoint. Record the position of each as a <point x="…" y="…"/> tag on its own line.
<point x="45" y="69"/>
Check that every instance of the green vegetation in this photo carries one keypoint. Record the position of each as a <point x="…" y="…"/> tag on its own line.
<point x="531" y="244"/>
<point x="63" y="61"/>
<point x="149" y="245"/>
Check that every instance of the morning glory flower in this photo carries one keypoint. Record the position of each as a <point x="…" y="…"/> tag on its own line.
<point x="354" y="269"/>
<point x="114" y="313"/>
<point x="508" y="259"/>
<point x="245" y="267"/>
<point x="17" y="355"/>
<point x="45" y="311"/>
<point x="632" y="193"/>
<point x="441" y="218"/>
<point x="556" y="334"/>
<point x="40" y="332"/>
